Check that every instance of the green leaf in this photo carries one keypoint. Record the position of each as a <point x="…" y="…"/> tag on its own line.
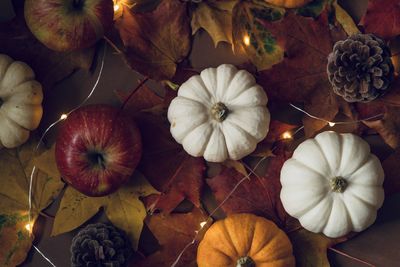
<point x="123" y="208"/>
<point x="215" y="17"/>
<point x="16" y="166"/>
<point x="251" y="36"/>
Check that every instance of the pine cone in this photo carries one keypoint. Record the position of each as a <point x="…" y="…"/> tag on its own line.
<point x="99" y="245"/>
<point x="359" y="68"/>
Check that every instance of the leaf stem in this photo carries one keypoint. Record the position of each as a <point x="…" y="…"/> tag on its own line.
<point x="145" y="79"/>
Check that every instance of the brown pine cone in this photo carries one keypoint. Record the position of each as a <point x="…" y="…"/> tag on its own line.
<point x="99" y="245"/>
<point x="359" y="68"/>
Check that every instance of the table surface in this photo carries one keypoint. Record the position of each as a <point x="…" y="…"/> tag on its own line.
<point x="378" y="245"/>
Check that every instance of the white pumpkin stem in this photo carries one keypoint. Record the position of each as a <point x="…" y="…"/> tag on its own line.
<point x="219" y="112"/>
<point x="338" y="184"/>
<point x="245" y="261"/>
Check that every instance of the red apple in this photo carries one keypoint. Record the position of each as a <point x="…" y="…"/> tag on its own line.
<point x="66" y="25"/>
<point x="97" y="149"/>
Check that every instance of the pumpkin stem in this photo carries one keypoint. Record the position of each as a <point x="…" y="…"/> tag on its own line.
<point x="338" y="184"/>
<point x="219" y="112"/>
<point x="245" y="262"/>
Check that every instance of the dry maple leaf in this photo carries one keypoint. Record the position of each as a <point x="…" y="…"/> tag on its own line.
<point x="164" y="163"/>
<point x="301" y="76"/>
<point x="155" y="42"/>
<point x="174" y="232"/>
<point x="216" y="18"/>
<point x="16" y="166"/>
<point x="258" y="195"/>
<point x="390" y="165"/>
<point x="310" y="249"/>
<point x="382" y="18"/>
<point x="123" y="208"/>
<point x="49" y="66"/>
<point x="167" y="166"/>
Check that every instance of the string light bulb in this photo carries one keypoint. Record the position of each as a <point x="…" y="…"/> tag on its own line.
<point x="287" y="135"/>
<point x="331" y="124"/>
<point x="116" y="7"/>
<point x="202" y="224"/>
<point x="246" y="40"/>
<point x="28" y="227"/>
<point x="63" y="117"/>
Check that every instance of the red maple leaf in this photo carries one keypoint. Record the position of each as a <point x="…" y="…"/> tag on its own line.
<point x="382" y="18"/>
<point x="260" y="194"/>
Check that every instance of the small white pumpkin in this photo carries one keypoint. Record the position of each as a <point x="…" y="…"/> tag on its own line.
<point x="333" y="184"/>
<point x="220" y="114"/>
<point x="20" y="102"/>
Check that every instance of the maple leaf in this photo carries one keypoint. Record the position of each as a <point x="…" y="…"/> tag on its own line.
<point x="156" y="41"/>
<point x="301" y="76"/>
<point x="216" y="18"/>
<point x="251" y="36"/>
<point x="167" y="166"/>
<point x="382" y="18"/>
<point x="390" y="166"/>
<point x="123" y="208"/>
<point x="258" y="195"/>
<point x="276" y="129"/>
<point x="177" y="175"/>
<point x="143" y="98"/>
<point x="49" y="66"/>
<point x="388" y="124"/>
<point x="16" y="166"/>
<point x="174" y="232"/>
<point x="310" y="249"/>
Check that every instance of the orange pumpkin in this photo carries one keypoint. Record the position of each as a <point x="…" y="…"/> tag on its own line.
<point x="288" y="3"/>
<point x="245" y="240"/>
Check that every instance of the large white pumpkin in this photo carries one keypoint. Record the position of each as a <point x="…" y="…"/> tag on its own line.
<point x="333" y="184"/>
<point x="220" y="114"/>
<point x="20" y="102"/>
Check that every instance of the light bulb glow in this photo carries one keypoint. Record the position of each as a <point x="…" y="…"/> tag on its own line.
<point x="331" y="124"/>
<point x="116" y="7"/>
<point x="246" y="40"/>
<point x="28" y="227"/>
<point x="63" y="117"/>
<point x="287" y="135"/>
<point x="202" y="224"/>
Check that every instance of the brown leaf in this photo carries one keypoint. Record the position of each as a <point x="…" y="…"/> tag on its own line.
<point x="388" y="127"/>
<point x="310" y="249"/>
<point x="392" y="174"/>
<point x="382" y="18"/>
<point x="276" y="129"/>
<point x="156" y="41"/>
<point x="301" y="76"/>
<point x="49" y="66"/>
<point x="216" y="18"/>
<point x="143" y="98"/>
<point x="167" y="166"/>
<point x="173" y="233"/>
<point x="258" y="194"/>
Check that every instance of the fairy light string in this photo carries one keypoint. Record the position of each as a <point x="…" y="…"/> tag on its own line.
<point x="287" y="135"/>
<point x="29" y="225"/>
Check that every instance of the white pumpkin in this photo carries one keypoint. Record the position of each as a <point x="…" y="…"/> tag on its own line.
<point x="333" y="184"/>
<point x="220" y="114"/>
<point x="20" y="102"/>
